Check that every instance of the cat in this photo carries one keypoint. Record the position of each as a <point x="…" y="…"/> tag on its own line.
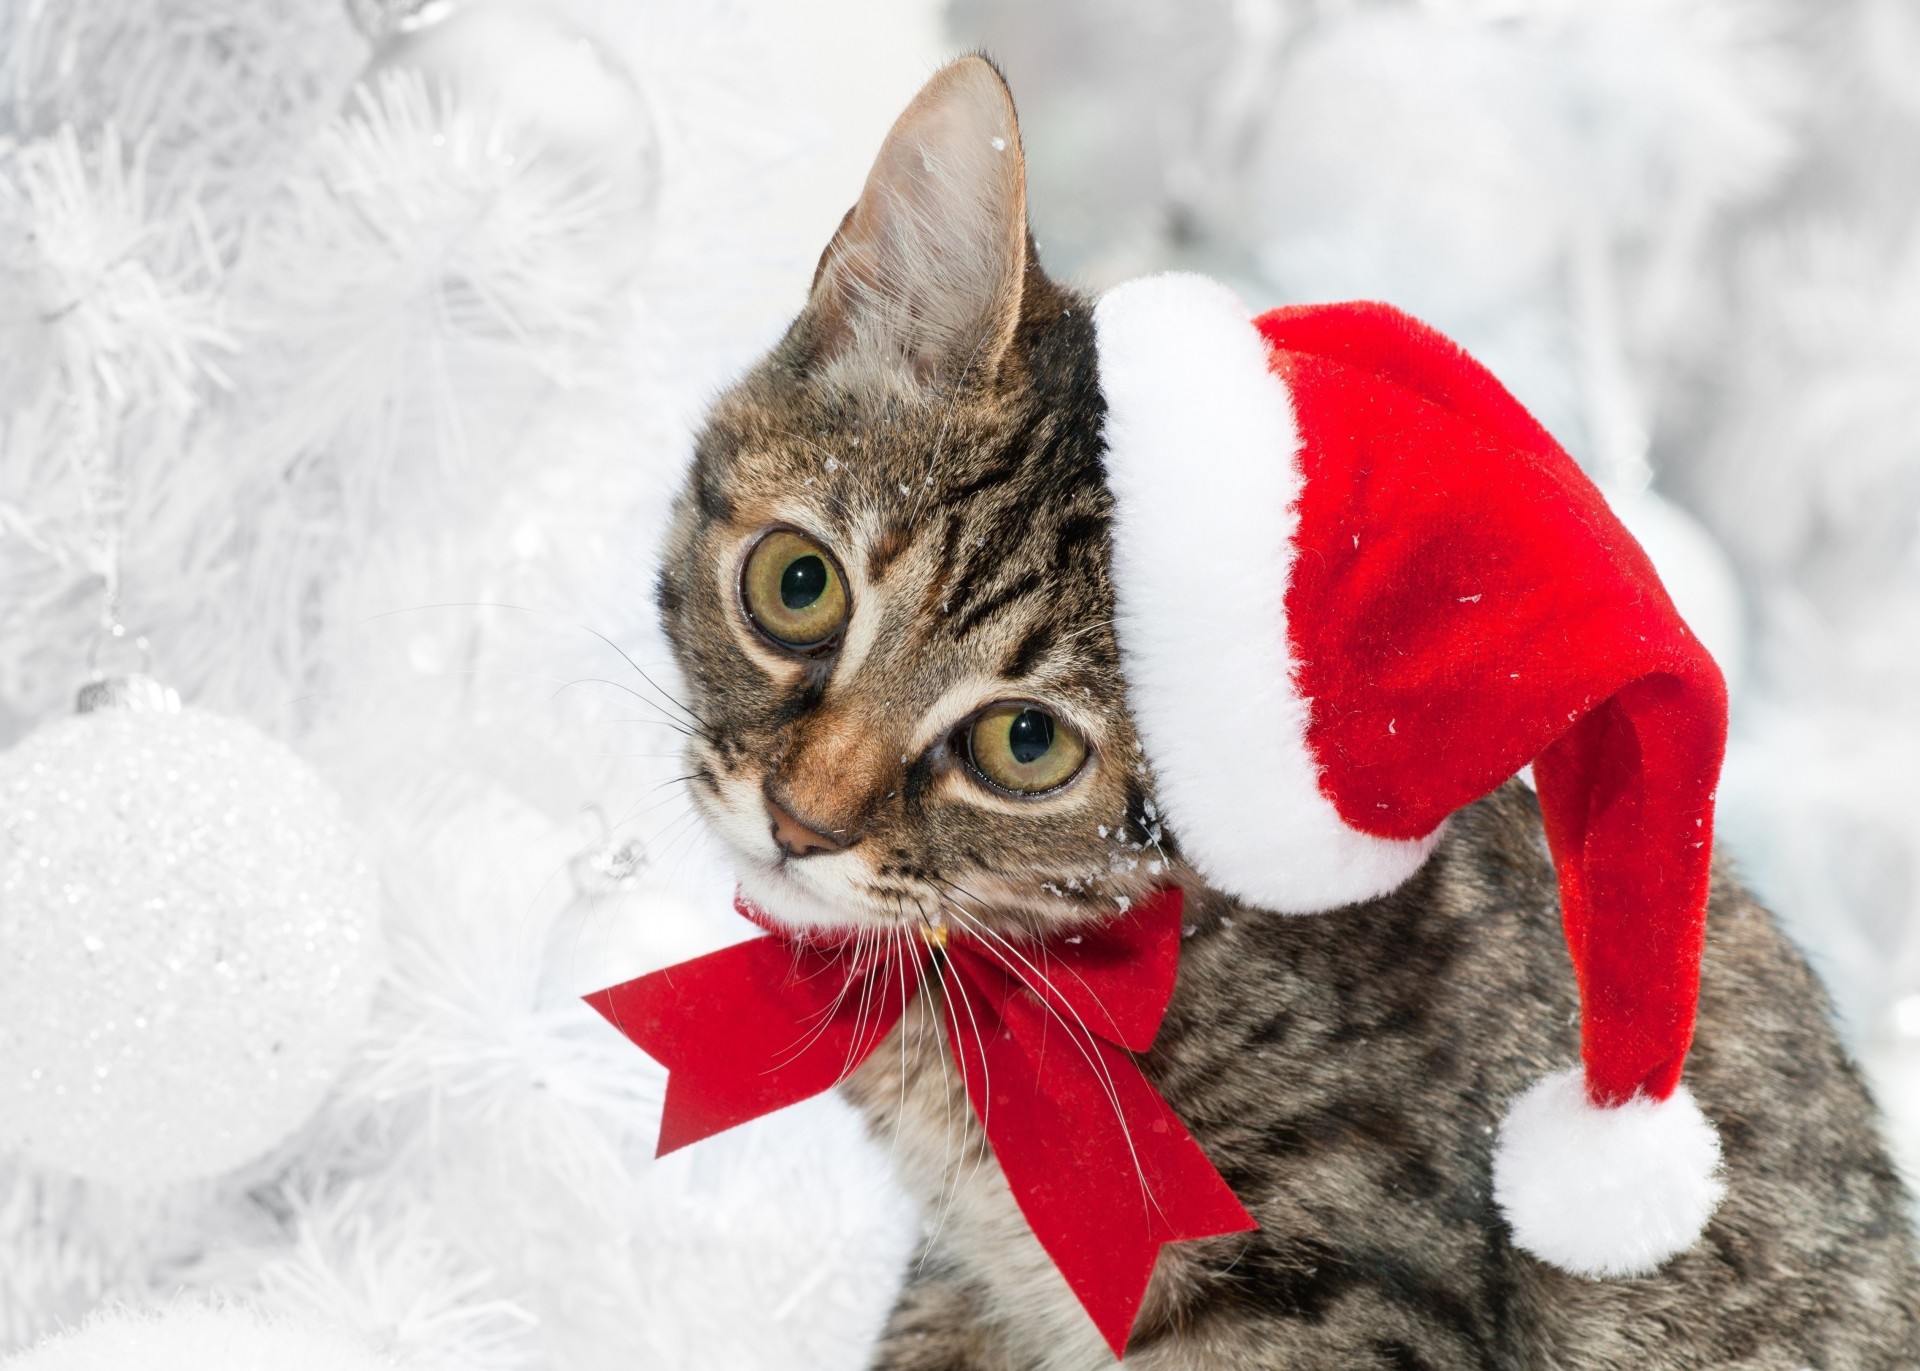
<point x="888" y="587"/>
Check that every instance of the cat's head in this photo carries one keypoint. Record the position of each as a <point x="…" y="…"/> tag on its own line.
<point x="887" y="581"/>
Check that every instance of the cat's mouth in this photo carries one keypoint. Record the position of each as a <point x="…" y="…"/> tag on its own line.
<point x="825" y="890"/>
<point x="798" y="893"/>
<point x="842" y="890"/>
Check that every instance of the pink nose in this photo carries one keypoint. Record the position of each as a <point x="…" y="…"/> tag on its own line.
<point x="795" y="838"/>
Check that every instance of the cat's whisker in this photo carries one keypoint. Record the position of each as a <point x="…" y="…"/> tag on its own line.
<point x="930" y="1019"/>
<point x="639" y="811"/>
<point x="862" y="988"/>
<point x="676" y="831"/>
<point x="678" y="842"/>
<point x="865" y="942"/>
<point x="1013" y="947"/>
<point x="797" y="948"/>
<point x="851" y="957"/>
<point x="665" y="720"/>
<point x="907" y="994"/>
<point x="873" y="988"/>
<point x="572" y="755"/>
<point x="1083" y="1039"/>
<point x="681" y="779"/>
<point x="953" y="1135"/>
<point x="664" y="694"/>
<point x="953" y="990"/>
<point x="1038" y="983"/>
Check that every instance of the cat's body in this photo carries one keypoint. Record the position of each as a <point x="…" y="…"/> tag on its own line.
<point x="894" y="542"/>
<point x="1346" y="1074"/>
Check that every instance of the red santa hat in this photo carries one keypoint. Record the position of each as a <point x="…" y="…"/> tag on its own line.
<point x="1358" y="588"/>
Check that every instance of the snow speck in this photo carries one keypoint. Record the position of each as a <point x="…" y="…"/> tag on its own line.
<point x="999" y="145"/>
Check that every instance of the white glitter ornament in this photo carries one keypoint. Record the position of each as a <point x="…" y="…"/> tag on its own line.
<point x="188" y="941"/>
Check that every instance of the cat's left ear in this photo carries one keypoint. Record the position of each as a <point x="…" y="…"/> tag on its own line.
<point x="926" y="270"/>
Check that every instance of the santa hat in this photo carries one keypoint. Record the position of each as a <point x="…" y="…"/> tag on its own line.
<point x="1359" y="587"/>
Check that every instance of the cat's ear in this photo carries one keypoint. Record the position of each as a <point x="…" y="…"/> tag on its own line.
<point x="925" y="273"/>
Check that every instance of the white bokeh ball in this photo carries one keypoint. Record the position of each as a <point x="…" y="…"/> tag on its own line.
<point x="188" y="945"/>
<point x="190" y="1336"/>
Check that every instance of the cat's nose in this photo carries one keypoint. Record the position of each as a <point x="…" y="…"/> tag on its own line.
<point x="795" y="837"/>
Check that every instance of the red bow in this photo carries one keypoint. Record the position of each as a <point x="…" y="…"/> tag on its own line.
<point x="1101" y="1166"/>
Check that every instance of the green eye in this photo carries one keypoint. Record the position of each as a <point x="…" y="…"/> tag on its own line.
<point x="1024" y="749"/>
<point x="793" y="590"/>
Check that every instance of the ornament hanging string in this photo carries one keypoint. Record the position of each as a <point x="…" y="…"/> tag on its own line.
<point x="193" y="941"/>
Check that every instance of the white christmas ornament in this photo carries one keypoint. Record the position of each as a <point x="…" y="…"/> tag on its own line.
<point x="191" y="942"/>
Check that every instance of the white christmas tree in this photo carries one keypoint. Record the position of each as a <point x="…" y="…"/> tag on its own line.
<point x="348" y="356"/>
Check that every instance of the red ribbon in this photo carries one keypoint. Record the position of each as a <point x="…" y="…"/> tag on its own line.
<point x="1043" y="1033"/>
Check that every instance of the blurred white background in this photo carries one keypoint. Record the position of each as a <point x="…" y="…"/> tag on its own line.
<point x="349" y="353"/>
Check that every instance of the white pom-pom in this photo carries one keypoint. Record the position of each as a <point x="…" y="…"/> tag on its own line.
<point x="1605" y="1192"/>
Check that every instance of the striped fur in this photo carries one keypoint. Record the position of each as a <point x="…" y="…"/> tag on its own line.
<point x="1344" y="1072"/>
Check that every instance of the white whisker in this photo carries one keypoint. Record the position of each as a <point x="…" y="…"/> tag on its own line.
<point x="1088" y="1050"/>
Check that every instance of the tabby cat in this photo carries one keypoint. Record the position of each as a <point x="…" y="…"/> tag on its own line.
<point x="888" y="588"/>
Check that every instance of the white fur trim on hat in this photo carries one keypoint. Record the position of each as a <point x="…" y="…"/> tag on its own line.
<point x="1605" y="1192"/>
<point x="1203" y="463"/>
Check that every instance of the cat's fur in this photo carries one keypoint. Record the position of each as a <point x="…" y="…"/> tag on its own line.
<point x="934" y="418"/>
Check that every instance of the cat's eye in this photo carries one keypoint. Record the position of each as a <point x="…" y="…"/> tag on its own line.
<point x="793" y="591"/>
<point x="1024" y="749"/>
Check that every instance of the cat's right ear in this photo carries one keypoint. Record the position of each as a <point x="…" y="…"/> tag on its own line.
<point x="925" y="273"/>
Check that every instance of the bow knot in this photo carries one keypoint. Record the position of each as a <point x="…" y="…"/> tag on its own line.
<point x="1042" y="1034"/>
